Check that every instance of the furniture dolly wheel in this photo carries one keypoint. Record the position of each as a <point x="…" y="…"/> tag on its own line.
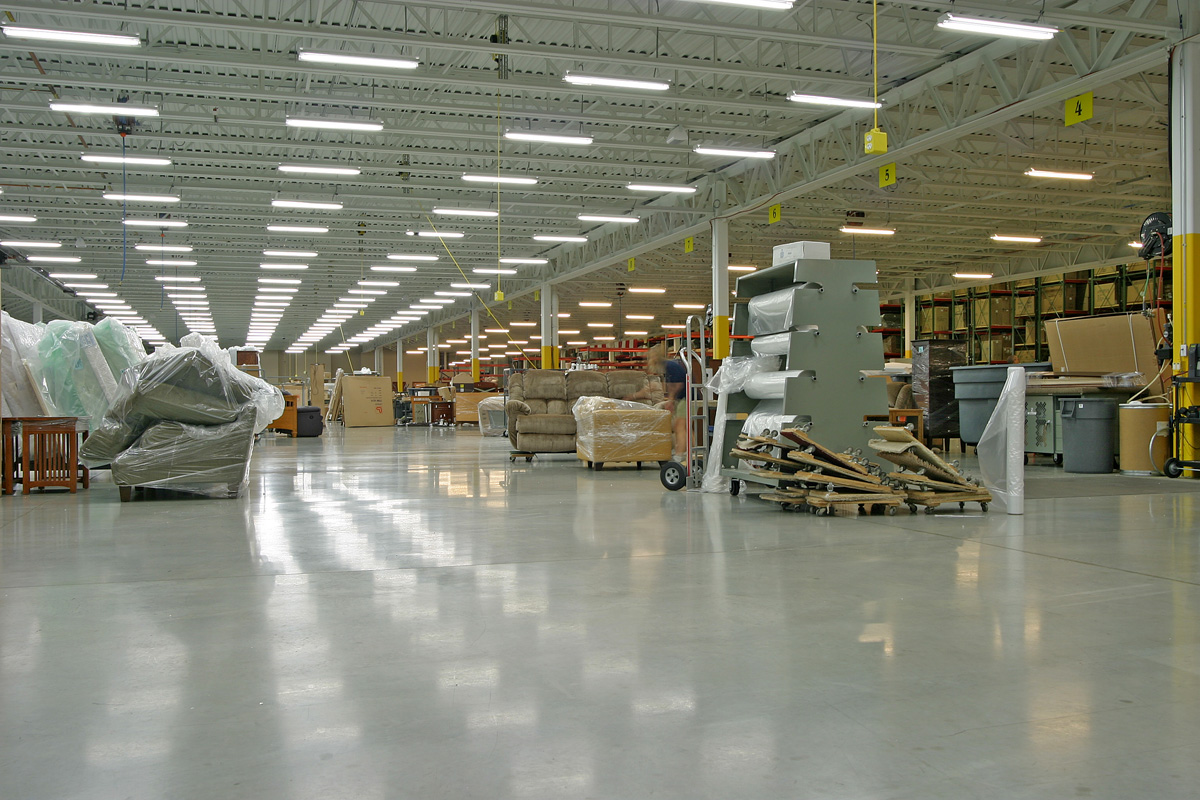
<point x="735" y="487"/>
<point x="1173" y="468"/>
<point x="912" y="508"/>
<point x="673" y="475"/>
<point x="983" y="506"/>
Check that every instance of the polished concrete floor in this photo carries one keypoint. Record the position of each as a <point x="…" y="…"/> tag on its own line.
<point x="400" y="613"/>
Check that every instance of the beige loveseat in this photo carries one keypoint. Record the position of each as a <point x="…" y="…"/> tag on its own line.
<point x="540" y="401"/>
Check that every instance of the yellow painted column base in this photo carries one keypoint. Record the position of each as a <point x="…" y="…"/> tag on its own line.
<point x="720" y="337"/>
<point x="549" y="356"/>
<point x="433" y="374"/>
<point x="475" y="370"/>
<point x="400" y="381"/>
<point x="1185" y="284"/>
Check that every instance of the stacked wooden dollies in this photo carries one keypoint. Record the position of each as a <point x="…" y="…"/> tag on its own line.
<point x="926" y="478"/>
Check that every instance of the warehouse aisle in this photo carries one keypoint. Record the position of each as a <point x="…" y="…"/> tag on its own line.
<point x="399" y="613"/>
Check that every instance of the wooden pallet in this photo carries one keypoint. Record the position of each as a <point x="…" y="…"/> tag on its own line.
<point x="815" y="447"/>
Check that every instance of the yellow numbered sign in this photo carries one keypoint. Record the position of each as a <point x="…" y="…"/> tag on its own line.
<point x="1078" y="108"/>
<point x="774" y="213"/>
<point x="537" y="295"/>
<point x="631" y="263"/>
<point x="689" y="244"/>
<point x="887" y="175"/>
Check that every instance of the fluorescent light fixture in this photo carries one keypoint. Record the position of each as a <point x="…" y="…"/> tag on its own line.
<point x="639" y="316"/>
<point x="733" y="152"/>
<point x="690" y="307"/>
<point x="186" y="296"/>
<point x="155" y="223"/>
<point x="604" y="338"/>
<point x="995" y="27"/>
<point x="54" y="260"/>
<point x="16" y="218"/>
<point x="166" y="262"/>
<point x="79" y="37"/>
<point x="452" y="294"/>
<point x="741" y="268"/>
<point x="391" y="284"/>
<point x="466" y="212"/>
<point x="577" y="344"/>
<point x="317" y="170"/>
<point x="290" y="253"/>
<point x="96" y="294"/>
<point x="660" y="187"/>
<point x="867" y="231"/>
<point x="163" y="248"/>
<point x="272" y="303"/>
<point x="599" y="324"/>
<point x="838" y="102"/>
<point x="548" y="138"/>
<point x="637" y="333"/>
<point x="356" y="60"/>
<point x="376" y="292"/>
<point x="87" y="276"/>
<point x="523" y="324"/>
<point x="332" y="124"/>
<point x="975" y="275"/>
<point x="86" y="285"/>
<point x="493" y="271"/>
<point x="278" y="289"/>
<point x="614" y="82"/>
<point x="470" y="286"/>
<point x="1131" y="244"/>
<point x="176" y="279"/>
<point x="141" y="198"/>
<point x="437" y="300"/>
<point x="517" y="180"/>
<point x="594" y="304"/>
<point x="298" y="229"/>
<point x="393" y="269"/>
<point x="310" y="204"/>
<point x="524" y="261"/>
<point x="605" y="218"/>
<point x="1034" y="172"/>
<point x="283" y="266"/>
<point x="420" y="307"/>
<point x="280" y="281"/>
<point x="407" y="257"/>
<point x="32" y="245"/>
<point x="138" y="161"/>
<point x="646" y="290"/>
<point x="545" y="237"/>
<point x="674" y="327"/>
<point x="440" y="235"/>
<point x="1000" y="237"/>
<point x="119" y="109"/>
<point x="496" y="330"/>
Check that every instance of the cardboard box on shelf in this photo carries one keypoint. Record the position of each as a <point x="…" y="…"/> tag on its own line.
<point x="1105" y="296"/>
<point x="925" y="320"/>
<point x="366" y="401"/>
<point x="997" y="348"/>
<point x="1106" y="271"/>
<point x="960" y="316"/>
<point x="1025" y="306"/>
<point x="1052" y="299"/>
<point x="1025" y="355"/>
<point x="941" y="318"/>
<point x="893" y="344"/>
<point x="993" y="311"/>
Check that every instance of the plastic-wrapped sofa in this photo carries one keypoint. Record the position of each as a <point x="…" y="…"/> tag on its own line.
<point x="540" y="403"/>
<point x="184" y="419"/>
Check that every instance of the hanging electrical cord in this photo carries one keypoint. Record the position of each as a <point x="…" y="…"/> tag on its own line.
<point x="875" y="56"/>
<point x="124" y="214"/>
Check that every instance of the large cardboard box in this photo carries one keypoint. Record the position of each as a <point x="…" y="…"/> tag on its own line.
<point x="960" y="316"/>
<point x="1026" y="306"/>
<point x="1106" y="296"/>
<point x="624" y="435"/>
<point x="794" y="251"/>
<point x="993" y="311"/>
<point x="366" y="401"/>
<point x="941" y="318"/>
<point x="1104" y="345"/>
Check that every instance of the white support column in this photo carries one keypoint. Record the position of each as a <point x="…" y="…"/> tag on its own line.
<point x="720" y="287"/>
<point x="910" y="318"/>
<point x="475" y="376"/>
<point x="379" y="360"/>
<point x="400" y="365"/>
<point x="432" y="357"/>
<point x="36" y="313"/>
<point x="549" y="328"/>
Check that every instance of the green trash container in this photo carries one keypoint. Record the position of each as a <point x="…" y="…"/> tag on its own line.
<point x="1089" y="434"/>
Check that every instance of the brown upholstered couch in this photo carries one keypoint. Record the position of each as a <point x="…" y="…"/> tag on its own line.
<point x="540" y="401"/>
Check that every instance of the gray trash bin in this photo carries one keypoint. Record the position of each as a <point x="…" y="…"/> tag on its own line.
<point x="977" y="389"/>
<point x="1089" y="434"/>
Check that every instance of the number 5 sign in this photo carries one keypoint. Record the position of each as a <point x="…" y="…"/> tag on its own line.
<point x="887" y="175"/>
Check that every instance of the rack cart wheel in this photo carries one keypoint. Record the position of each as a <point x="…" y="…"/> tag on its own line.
<point x="983" y="506"/>
<point x="1058" y="459"/>
<point x="1172" y="469"/>
<point x="912" y="508"/>
<point x="735" y="486"/>
<point x="891" y="511"/>
<point x="673" y="475"/>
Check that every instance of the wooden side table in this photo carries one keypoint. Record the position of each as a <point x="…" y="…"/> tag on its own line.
<point x="49" y="453"/>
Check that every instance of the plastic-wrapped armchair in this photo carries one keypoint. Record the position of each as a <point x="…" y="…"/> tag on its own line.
<point x="184" y="419"/>
<point x="610" y="430"/>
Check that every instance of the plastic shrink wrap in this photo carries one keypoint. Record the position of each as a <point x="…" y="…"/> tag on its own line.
<point x="775" y="344"/>
<point x="736" y="370"/>
<point x="1001" y="448"/>
<point x="621" y="430"/>
<point x="78" y="379"/>
<point x="120" y="345"/>
<point x="770" y="385"/>
<point x="772" y="312"/>
<point x="212" y="406"/>
<point x="491" y="409"/>
<point x="21" y="370"/>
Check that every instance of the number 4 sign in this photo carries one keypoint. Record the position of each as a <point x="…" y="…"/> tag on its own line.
<point x="1078" y="109"/>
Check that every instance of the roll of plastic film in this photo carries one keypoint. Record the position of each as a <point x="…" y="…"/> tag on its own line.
<point x="776" y="344"/>
<point x="769" y="385"/>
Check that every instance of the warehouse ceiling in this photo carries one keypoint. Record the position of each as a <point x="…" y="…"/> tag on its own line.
<point x="966" y="116"/>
